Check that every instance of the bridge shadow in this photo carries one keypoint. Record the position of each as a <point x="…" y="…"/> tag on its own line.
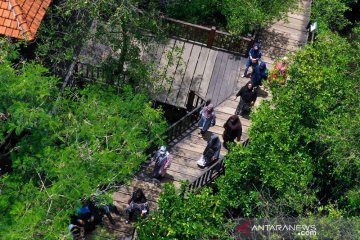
<point x="274" y="44"/>
<point x="191" y="129"/>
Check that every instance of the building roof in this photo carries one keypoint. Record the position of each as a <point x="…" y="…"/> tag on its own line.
<point x="21" y="18"/>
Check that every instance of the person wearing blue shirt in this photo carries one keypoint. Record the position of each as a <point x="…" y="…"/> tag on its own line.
<point x="260" y="73"/>
<point x="253" y="59"/>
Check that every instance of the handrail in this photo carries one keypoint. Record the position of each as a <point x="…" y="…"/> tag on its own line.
<point x="194" y="102"/>
<point x="209" y="36"/>
<point x="88" y="70"/>
<point x="185" y="23"/>
<point x="213" y="172"/>
<point x="184" y="123"/>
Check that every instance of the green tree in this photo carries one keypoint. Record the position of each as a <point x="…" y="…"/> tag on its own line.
<point x="303" y="159"/>
<point x="90" y="139"/>
<point x="195" y="216"/>
<point x="236" y="16"/>
<point x="330" y="13"/>
<point x="111" y="34"/>
<point x="303" y="152"/>
<point x="245" y="16"/>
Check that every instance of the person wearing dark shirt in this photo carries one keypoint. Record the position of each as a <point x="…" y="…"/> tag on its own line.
<point x="137" y="205"/>
<point x="76" y="227"/>
<point x="253" y="59"/>
<point x="260" y="73"/>
<point x="212" y="151"/>
<point x="247" y="99"/>
<point x="232" y="130"/>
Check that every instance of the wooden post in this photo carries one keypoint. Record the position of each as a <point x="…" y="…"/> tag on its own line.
<point x="190" y="100"/>
<point x="211" y="37"/>
<point x="68" y="75"/>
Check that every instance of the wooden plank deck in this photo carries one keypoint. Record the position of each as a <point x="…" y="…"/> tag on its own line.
<point x="209" y="72"/>
<point x="215" y="75"/>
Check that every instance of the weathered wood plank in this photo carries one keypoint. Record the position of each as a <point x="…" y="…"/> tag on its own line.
<point x="189" y="154"/>
<point x="188" y="77"/>
<point x="217" y="74"/>
<point x="203" y="89"/>
<point x="162" y="60"/>
<point x="170" y="67"/>
<point x="294" y="23"/>
<point x="224" y="81"/>
<point x="199" y="70"/>
<point x="185" y="162"/>
<point x="237" y="71"/>
<point x="179" y="74"/>
<point x="223" y="117"/>
<point x="192" y="171"/>
<point x="172" y="72"/>
<point x="289" y="33"/>
<point x="229" y="79"/>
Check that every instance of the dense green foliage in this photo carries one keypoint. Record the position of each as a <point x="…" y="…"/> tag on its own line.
<point x="235" y="16"/>
<point x="110" y="34"/>
<point x="72" y="146"/>
<point x="304" y="150"/>
<point x="197" y="216"/>
<point x="205" y="12"/>
<point x="331" y="13"/>
<point x="303" y="159"/>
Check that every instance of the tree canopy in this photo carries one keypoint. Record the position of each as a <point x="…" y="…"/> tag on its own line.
<point x="303" y="159"/>
<point x="70" y="146"/>
<point x="303" y="152"/>
<point x="110" y="34"/>
<point x="236" y="16"/>
<point x="58" y="148"/>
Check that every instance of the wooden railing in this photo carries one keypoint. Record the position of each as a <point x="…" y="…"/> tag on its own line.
<point x="177" y="129"/>
<point x="195" y="103"/>
<point x="81" y="71"/>
<point x="209" y="36"/>
<point x="213" y="172"/>
<point x="88" y="72"/>
<point x="194" y="100"/>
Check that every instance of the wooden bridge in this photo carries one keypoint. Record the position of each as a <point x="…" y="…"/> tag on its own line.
<point x="206" y="73"/>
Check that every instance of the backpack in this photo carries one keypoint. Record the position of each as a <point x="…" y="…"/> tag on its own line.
<point x="159" y="159"/>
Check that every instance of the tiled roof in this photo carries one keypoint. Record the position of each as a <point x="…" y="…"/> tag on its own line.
<point x="21" y="18"/>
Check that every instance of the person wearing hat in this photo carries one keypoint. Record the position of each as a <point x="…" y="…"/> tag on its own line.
<point x="253" y="59"/>
<point x="162" y="160"/>
<point x="207" y="119"/>
<point x="260" y="73"/>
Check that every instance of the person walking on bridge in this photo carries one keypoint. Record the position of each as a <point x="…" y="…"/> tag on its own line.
<point x="232" y="130"/>
<point x="247" y="99"/>
<point x="138" y="205"/>
<point x="260" y="73"/>
<point x="162" y="160"/>
<point x="208" y="118"/>
<point x="253" y="59"/>
<point x="212" y="151"/>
